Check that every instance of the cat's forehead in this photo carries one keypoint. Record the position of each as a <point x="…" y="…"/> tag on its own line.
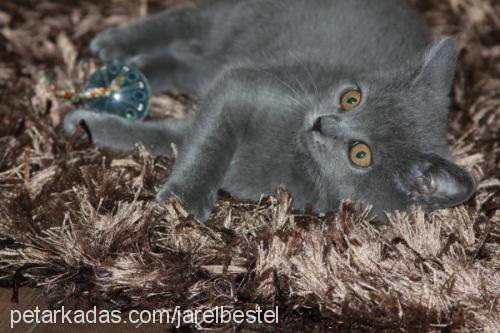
<point x="403" y="120"/>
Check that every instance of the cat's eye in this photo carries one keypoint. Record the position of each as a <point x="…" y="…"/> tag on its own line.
<point x="350" y="100"/>
<point x="361" y="155"/>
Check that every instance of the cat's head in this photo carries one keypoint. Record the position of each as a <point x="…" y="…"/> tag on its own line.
<point x="380" y="138"/>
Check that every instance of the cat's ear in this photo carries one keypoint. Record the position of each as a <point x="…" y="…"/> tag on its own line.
<point x="435" y="182"/>
<point x="438" y="66"/>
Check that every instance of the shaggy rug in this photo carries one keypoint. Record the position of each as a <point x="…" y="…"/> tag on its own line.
<point x="81" y="223"/>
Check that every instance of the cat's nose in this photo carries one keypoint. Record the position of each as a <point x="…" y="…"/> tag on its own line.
<point x="325" y="125"/>
<point x="317" y="126"/>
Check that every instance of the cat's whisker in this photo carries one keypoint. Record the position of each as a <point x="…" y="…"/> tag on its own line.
<point x="303" y="88"/>
<point x="317" y="182"/>
<point x="318" y="176"/>
<point x="300" y="103"/>
<point x="320" y="181"/>
<point x="297" y="103"/>
<point x="307" y="93"/>
<point x="293" y="100"/>
<point x="308" y="71"/>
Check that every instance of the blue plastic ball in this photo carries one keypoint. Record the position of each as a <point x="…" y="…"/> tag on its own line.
<point x="132" y="98"/>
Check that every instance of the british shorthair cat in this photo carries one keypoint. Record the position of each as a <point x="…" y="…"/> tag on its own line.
<point x="333" y="99"/>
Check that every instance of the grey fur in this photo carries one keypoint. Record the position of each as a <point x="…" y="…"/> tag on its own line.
<point x="270" y="74"/>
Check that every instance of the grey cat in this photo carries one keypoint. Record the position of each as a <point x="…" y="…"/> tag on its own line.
<point x="334" y="99"/>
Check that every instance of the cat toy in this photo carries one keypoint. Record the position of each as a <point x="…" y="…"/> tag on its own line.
<point x="117" y="89"/>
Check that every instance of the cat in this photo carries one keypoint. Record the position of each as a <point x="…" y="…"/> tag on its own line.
<point x="333" y="99"/>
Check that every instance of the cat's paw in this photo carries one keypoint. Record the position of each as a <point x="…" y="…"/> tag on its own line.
<point x="163" y="194"/>
<point x="198" y="206"/>
<point x="74" y="119"/>
<point x="111" y="45"/>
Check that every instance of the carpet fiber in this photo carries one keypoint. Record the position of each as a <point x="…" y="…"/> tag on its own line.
<point x="82" y="224"/>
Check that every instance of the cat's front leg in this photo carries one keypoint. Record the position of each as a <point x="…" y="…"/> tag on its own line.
<point x="236" y="103"/>
<point x="201" y="167"/>
<point x="148" y="35"/>
<point x="121" y="135"/>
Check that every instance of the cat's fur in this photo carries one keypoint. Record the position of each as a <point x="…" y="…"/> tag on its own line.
<point x="270" y="74"/>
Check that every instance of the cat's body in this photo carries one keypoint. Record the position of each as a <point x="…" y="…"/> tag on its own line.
<point x="271" y="75"/>
<point x="362" y="35"/>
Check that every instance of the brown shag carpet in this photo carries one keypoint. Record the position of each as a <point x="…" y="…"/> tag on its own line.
<point x="82" y="223"/>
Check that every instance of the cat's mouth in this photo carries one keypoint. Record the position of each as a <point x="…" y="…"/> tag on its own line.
<point x="319" y="139"/>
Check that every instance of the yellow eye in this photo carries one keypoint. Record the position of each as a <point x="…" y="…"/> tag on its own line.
<point x="350" y="100"/>
<point x="361" y="155"/>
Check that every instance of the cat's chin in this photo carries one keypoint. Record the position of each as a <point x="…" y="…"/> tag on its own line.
<point x="317" y="152"/>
